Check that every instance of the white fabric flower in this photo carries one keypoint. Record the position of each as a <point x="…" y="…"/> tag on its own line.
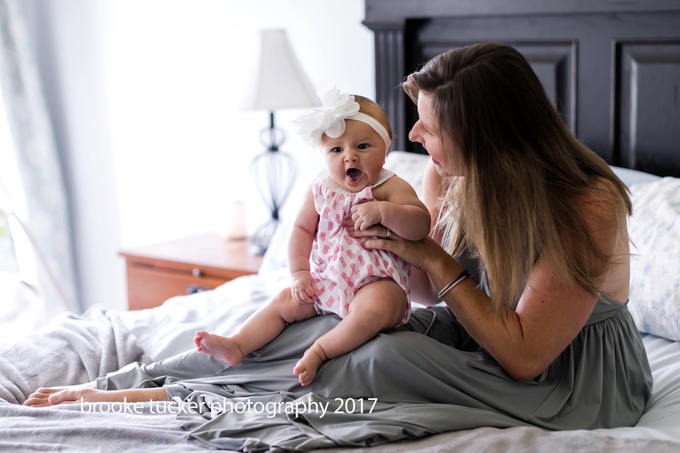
<point x="328" y="119"/>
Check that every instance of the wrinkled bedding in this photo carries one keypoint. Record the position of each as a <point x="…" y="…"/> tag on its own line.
<point x="70" y="350"/>
<point x="101" y="341"/>
<point x="75" y="349"/>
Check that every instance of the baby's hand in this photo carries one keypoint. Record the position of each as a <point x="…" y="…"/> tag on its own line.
<point x="366" y="215"/>
<point x="302" y="287"/>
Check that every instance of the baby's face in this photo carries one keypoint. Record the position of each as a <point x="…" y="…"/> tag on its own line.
<point x="355" y="159"/>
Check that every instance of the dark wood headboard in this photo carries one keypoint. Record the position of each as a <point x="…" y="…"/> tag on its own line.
<point x="612" y="68"/>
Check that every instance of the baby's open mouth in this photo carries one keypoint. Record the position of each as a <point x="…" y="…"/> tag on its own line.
<point x="354" y="174"/>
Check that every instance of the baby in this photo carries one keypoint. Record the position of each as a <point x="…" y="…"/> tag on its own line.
<point x="331" y="273"/>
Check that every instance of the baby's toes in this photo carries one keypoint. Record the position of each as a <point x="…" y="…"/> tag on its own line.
<point x="304" y="378"/>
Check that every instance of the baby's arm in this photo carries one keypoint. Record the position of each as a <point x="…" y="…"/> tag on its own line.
<point x="398" y="208"/>
<point x="300" y="245"/>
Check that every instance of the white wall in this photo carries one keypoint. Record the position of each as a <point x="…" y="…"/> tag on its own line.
<point x="145" y="96"/>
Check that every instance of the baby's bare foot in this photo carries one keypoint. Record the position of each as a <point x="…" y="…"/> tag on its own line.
<point x="309" y="364"/>
<point x="222" y="348"/>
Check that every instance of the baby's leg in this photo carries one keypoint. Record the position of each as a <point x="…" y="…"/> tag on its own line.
<point x="376" y="307"/>
<point x="258" y="330"/>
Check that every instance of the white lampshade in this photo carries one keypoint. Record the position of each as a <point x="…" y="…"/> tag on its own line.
<point x="279" y="81"/>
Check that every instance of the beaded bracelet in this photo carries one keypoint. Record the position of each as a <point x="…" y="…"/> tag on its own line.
<point x="452" y="284"/>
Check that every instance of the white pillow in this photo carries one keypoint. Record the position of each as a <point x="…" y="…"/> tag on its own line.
<point x="276" y="256"/>
<point x="409" y="167"/>
<point x="655" y="266"/>
<point x="632" y="177"/>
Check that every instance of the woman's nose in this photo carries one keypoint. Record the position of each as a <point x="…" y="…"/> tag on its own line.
<point x="413" y="133"/>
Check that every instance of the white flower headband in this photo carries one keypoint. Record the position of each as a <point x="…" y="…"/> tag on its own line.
<point x="330" y="118"/>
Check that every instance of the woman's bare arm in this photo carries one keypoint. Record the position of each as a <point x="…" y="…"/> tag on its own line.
<point x="550" y="313"/>
<point x="548" y="316"/>
<point x="433" y="184"/>
<point x="422" y="289"/>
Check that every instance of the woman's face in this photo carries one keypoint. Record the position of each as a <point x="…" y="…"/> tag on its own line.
<point x="445" y="155"/>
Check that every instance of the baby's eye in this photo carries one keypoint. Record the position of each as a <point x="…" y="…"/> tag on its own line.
<point x="337" y="149"/>
<point x="362" y="146"/>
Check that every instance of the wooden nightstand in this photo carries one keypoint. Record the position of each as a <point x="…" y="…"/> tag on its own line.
<point x="160" y="271"/>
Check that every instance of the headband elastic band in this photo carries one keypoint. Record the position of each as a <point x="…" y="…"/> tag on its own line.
<point x="375" y="125"/>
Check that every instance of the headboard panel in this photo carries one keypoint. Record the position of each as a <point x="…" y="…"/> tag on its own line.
<point x="612" y="69"/>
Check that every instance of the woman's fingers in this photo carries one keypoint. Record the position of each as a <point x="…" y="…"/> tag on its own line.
<point x="416" y="253"/>
<point x="375" y="230"/>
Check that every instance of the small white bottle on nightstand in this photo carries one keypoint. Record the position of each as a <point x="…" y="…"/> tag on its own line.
<point x="236" y="225"/>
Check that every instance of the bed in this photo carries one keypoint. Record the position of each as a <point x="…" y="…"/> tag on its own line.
<point x="640" y="144"/>
<point x="81" y="348"/>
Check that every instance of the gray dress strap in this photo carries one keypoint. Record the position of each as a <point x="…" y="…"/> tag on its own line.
<point x="604" y="308"/>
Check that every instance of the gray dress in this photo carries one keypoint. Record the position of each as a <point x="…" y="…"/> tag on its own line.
<point x="426" y="377"/>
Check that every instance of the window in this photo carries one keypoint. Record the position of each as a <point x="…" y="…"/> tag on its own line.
<point x="8" y="176"/>
<point x="8" y="260"/>
<point x="21" y="308"/>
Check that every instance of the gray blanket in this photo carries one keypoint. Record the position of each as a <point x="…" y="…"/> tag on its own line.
<point x="70" y="350"/>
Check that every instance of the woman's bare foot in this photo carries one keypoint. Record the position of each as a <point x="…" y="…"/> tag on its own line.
<point x="81" y="394"/>
<point x="223" y="348"/>
<point x="49" y="396"/>
<point x="309" y="364"/>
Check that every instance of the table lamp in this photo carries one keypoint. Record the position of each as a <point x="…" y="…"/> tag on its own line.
<point x="279" y="83"/>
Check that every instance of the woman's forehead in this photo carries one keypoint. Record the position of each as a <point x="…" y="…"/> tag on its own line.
<point x="426" y="110"/>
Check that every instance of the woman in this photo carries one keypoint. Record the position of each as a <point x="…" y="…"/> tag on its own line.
<point x="541" y="218"/>
<point x="510" y="184"/>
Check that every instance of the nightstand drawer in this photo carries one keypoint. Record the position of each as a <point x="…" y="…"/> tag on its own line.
<point x="174" y="268"/>
<point x="149" y="287"/>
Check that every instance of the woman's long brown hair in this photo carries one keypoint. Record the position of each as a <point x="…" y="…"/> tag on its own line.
<point x="526" y="175"/>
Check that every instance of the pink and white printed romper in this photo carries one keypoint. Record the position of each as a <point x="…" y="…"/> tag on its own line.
<point x="339" y="264"/>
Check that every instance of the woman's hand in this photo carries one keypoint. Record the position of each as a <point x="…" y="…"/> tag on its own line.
<point x="421" y="254"/>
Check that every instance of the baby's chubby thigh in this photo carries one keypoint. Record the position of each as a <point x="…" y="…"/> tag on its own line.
<point x="382" y="302"/>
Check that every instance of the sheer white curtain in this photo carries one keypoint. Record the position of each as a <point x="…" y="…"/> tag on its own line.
<point x="35" y="190"/>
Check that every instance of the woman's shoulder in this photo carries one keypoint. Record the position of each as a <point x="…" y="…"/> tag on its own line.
<point x="604" y="199"/>
<point x="604" y="210"/>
